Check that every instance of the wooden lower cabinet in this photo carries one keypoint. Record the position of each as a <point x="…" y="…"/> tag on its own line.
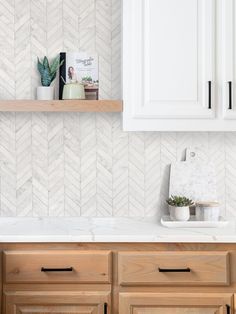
<point x="118" y="278"/>
<point x="58" y="302"/>
<point x="176" y="303"/>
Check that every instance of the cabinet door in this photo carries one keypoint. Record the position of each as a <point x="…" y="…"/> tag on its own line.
<point x="56" y="302"/>
<point x="228" y="10"/>
<point x="172" y="303"/>
<point x="168" y="61"/>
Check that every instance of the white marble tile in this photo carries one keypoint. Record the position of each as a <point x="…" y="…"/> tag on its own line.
<point x="85" y="164"/>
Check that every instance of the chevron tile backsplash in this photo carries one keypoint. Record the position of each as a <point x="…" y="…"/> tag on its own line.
<point x="84" y="164"/>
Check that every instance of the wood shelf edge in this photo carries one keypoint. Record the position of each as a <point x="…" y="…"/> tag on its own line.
<point x="61" y="106"/>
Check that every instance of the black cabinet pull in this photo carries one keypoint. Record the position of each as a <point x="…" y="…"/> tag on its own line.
<point x="209" y="94"/>
<point x="230" y="95"/>
<point x="228" y="309"/>
<point x="174" y="270"/>
<point x="44" y="269"/>
<point x="105" y="308"/>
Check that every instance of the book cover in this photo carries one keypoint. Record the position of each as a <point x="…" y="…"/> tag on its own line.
<point x="80" y="67"/>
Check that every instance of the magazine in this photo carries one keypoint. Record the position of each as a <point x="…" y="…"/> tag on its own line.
<point x="80" y="67"/>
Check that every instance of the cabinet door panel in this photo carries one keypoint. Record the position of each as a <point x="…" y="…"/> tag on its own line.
<point x="51" y="309"/>
<point x="56" y="302"/>
<point x="175" y="303"/>
<point x="176" y="310"/>
<point x="169" y="58"/>
<point x="229" y="58"/>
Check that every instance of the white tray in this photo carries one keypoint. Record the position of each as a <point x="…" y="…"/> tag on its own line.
<point x="193" y="223"/>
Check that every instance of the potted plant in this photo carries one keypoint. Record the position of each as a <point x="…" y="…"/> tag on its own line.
<point x="179" y="207"/>
<point x="48" y="73"/>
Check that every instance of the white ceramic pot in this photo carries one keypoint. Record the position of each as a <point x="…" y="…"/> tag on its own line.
<point x="45" y="92"/>
<point x="179" y="213"/>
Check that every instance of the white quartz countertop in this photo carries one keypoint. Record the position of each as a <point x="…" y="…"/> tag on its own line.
<point x="106" y="230"/>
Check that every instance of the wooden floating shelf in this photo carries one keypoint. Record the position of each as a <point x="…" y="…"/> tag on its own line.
<point x="61" y="106"/>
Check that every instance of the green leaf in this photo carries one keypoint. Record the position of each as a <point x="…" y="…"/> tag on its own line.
<point x="46" y="78"/>
<point x="40" y="67"/>
<point x="46" y="63"/>
<point x="53" y="76"/>
<point x="55" y="65"/>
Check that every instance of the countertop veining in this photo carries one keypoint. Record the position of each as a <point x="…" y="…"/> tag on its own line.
<point x="106" y="230"/>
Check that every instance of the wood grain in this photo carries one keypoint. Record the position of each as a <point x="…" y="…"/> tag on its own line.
<point x="207" y="268"/>
<point x="61" y="106"/>
<point x="114" y="287"/>
<point x="174" y="303"/>
<point x="86" y="302"/>
<point x="88" y="267"/>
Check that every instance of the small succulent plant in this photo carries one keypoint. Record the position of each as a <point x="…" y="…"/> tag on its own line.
<point x="179" y="201"/>
<point x="48" y="71"/>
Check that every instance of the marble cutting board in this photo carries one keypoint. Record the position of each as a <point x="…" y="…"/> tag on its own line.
<point x="194" y="178"/>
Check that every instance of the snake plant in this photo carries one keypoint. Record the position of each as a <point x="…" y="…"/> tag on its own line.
<point x="48" y="71"/>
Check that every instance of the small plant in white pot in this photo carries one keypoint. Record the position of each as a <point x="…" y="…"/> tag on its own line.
<point x="179" y="207"/>
<point x="48" y="73"/>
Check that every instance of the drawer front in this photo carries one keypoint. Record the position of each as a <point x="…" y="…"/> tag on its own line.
<point x="174" y="268"/>
<point x="57" y="266"/>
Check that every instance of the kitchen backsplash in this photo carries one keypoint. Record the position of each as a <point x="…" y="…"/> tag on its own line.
<point x="84" y="164"/>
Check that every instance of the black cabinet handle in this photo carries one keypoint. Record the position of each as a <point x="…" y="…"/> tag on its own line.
<point x="105" y="308"/>
<point x="44" y="269"/>
<point x="174" y="270"/>
<point x="230" y="95"/>
<point x="228" y="309"/>
<point x="209" y="94"/>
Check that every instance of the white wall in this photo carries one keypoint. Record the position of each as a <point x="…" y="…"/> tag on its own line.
<point x="83" y="164"/>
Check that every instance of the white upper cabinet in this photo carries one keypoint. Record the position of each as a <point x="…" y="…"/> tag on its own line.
<point x="169" y="65"/>
<point x="228" y="10"/>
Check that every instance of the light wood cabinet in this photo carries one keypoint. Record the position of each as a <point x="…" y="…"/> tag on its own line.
<point x="118" y="278"/>
<point x="174" y="303"/>
<point x="174" y="268"/>
<point x="57" y="282"/>
<point x="57" y="266"/>
<point x="66" y="302"/>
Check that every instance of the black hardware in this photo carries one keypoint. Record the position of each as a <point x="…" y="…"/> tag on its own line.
<point x="174" y="270"/>
<point x="230" y="95"/>
<point x="209" y="95"/>
<point x="228" y="309"/>
<point x="105" y="308"/>
<point x="43" y="269"/>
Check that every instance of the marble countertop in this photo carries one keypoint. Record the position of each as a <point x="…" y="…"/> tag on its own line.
<point x="106" y="230"/>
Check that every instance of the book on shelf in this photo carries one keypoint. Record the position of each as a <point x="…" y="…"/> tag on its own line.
<point x="83" y="68"/>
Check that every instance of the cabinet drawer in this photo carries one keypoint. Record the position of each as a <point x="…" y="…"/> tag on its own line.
<point x="174" y="268"/>
<point x="57" y="266"/>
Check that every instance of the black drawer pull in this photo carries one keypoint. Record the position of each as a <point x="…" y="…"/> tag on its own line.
<point x="230" y="95"/>
<point x="174" y="270"/>
<point x="228" y="309"/>
<point x="209" y="95"/>
<point x="105" y="308"/>
<point x="44" y="269"/>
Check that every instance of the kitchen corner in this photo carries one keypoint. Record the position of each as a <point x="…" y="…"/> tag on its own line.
<point x="118" y="157"/>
